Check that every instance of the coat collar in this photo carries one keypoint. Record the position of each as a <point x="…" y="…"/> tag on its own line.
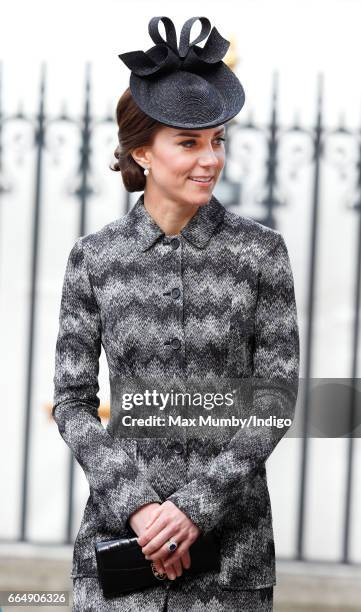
<point x="198" y="230"/>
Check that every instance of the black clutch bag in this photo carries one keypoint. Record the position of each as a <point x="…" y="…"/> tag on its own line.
<point x="123" y="568"/>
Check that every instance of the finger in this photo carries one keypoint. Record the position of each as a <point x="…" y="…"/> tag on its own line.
<point x="186" y="560"/>
<point x="177" y="554"/>
<point x="155" y="515"/>
<point x="159" y="541"/>
<point x="163" y="553"/>
<point x="159" y="567"/>
<point x="148" y="534"/>
<point x="171" y="572"/>
<point x="178" y="568"/>
<point x="149" y="530"/>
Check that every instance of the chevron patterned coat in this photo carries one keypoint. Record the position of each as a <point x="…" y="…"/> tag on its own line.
<point x="216" y="300"/>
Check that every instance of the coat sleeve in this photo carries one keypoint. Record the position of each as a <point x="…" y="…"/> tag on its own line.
<point x="117" y="485"/>
<point x="208" y="498"/>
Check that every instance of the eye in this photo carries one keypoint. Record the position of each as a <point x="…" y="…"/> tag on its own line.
<point x="186" y="142"/>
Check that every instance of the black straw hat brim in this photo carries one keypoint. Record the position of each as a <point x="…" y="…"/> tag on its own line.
<point x="186" y="100"/>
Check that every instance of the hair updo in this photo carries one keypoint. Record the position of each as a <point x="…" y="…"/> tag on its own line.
<point x="135" y="129"/>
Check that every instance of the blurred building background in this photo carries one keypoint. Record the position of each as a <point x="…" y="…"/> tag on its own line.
<point x="293" y="163"/>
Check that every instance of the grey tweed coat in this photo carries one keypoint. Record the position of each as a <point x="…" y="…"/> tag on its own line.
<point x="215" y="300"/>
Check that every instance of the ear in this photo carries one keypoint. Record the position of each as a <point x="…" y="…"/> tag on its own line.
<point x="141" y="155"/>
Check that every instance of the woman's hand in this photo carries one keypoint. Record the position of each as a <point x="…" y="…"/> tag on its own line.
<point x="142" y="516"/>
<point x="138" y="520"/>
<point x="168" y="522"/>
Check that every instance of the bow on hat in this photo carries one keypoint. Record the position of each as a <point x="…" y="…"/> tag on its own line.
<point x="165" y="56"/>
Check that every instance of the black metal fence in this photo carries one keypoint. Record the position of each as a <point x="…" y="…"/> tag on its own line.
<point x="309" y="151"/>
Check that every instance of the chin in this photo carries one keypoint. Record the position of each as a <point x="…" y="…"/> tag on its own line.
<point x="200" y="195"/>
<point x="204" y="198"/>
<point x="197" y="199"/>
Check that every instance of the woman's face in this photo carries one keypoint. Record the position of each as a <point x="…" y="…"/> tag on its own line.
<point x="179" y="157"/>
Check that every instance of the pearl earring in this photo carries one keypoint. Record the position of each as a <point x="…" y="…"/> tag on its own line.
<point x="146" y="171"/>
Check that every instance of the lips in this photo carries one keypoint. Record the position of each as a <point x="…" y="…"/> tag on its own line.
<point x="201" y="180"/>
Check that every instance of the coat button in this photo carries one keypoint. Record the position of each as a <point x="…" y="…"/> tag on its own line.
<point x="178" y="448"/>
<point x="174" y="243"/>
<point x="175" y="293"/>
<point x="175" y="343"/>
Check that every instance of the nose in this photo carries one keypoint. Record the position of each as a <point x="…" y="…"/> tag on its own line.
<point x="209" y="159"/>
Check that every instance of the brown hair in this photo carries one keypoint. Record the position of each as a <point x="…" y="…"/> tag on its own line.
<point x="135" y="129"/>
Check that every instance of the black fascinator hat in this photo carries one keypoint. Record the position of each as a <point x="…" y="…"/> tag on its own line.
<point x="186" y="87"/>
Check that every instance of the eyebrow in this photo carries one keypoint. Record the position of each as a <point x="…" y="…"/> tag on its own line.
<point x="193" y="135"/>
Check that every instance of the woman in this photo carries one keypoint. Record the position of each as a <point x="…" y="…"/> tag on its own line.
<point x="178" y="287"/>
